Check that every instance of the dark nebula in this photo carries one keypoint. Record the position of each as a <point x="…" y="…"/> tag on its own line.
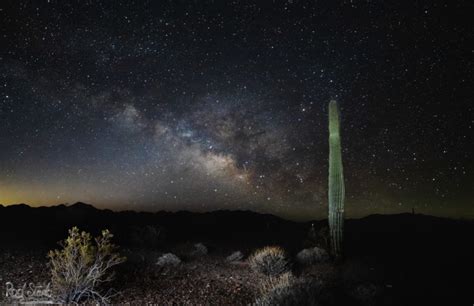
<point x="205" y="105"/>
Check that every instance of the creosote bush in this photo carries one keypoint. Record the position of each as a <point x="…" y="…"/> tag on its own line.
<point x="81" y="267"/>
<point x="270" y="261"/>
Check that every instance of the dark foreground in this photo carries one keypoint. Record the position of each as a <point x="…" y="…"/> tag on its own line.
<point x="390" y="260"/>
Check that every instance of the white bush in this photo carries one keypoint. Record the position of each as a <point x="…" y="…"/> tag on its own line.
<point x="168" y="259"/>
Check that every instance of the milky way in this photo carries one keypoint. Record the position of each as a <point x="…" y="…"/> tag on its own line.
<point x="211" y="105"/>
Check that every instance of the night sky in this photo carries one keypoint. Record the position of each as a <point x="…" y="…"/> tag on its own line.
<point x="206" y="105"/>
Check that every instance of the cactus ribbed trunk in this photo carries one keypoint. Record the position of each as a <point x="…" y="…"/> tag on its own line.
<point x="336" y="183"/>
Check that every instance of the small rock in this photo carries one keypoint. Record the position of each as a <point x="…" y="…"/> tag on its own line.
<point x="168" y="259"/>
<point x="236" y="256"/>
<point x="312" y="255"/>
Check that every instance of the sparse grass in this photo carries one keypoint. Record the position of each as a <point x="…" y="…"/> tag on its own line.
<point x="270" y="261"/>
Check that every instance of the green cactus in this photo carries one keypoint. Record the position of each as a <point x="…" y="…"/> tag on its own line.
<point x="336" y="183"/>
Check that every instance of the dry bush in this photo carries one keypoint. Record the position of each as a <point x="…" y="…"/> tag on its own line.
<point x="80" y="268"/>
<point x="288" y="290"/>
<point x="270" y="261"/>
<point x="270" y="283"/>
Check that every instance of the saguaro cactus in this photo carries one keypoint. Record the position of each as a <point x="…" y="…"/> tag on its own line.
<point x="336" y="183"/>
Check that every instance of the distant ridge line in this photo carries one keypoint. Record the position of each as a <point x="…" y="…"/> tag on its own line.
<point x="90" y="207"/>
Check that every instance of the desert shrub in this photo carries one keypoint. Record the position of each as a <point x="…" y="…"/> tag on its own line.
<point x="269" y="283"/>
<point x="270" y="261"/>
<point x="312" y="255"/>
<point x="168" y="259"/>
<point x="81" y="267"/>
<point x="288" y="290"/>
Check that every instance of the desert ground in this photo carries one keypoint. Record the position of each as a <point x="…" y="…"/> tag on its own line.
<point x="403" y="259"/>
